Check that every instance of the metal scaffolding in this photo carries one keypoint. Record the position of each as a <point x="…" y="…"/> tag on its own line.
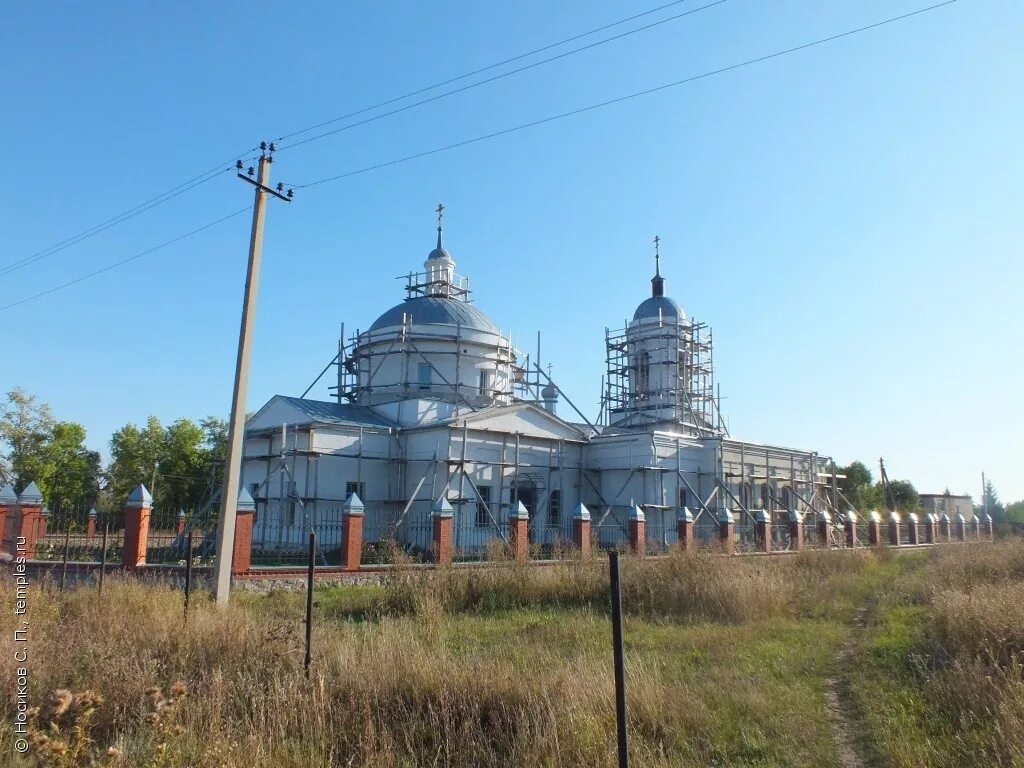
<point x="687" y="395"/>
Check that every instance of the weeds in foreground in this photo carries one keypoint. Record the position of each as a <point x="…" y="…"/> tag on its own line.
<point x="943" y="663"/>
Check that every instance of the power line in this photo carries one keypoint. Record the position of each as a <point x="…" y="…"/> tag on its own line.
<point x="628" y="97"/>
<point x="121" y="263"/>
<point x="703" y="75"/>
<point x="481" y="70"/>
<point x="202" y="177"/>
<point x="129" y="214"/>
<point x="501" y="76"/>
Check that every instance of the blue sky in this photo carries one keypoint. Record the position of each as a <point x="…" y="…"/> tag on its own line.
<point x="846" y="218"/>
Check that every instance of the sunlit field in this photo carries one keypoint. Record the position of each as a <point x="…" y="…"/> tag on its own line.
<point x="752" y="661"/>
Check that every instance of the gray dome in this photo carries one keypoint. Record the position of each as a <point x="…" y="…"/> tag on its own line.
<point x="439" y="253"/>
<point x="437" y="310"/>
<point x="651" y="307"/>
<point x="549" y="392"/>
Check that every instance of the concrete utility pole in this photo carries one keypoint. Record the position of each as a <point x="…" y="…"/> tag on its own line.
<point x="236" y="429"/>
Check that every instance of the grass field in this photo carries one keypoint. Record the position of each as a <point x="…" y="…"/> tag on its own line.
<point x="729" y="663"/>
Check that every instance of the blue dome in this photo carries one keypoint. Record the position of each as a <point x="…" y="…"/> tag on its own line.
<point x="437" y="310"/>
<point x="659" y="305"/>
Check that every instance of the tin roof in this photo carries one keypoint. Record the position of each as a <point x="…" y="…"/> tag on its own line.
<point x="325" y="412"/>
<point x="436" y="310"/>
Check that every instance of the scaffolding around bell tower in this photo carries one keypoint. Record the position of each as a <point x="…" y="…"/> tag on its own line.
<point x="684" y="395"/>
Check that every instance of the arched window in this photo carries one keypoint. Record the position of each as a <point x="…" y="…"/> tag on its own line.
<point x="555" y="508"/>
<point x="643" y="379"/>
<point x="766" y="496"/>
<point x="787" y="498"/>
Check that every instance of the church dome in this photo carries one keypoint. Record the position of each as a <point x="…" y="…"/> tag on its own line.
<point x="659" y="306"/>
<point x="437" y="310"/>
<point x="439" y="253"/>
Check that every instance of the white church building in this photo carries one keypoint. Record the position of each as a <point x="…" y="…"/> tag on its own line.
<point x="433" y="403"/>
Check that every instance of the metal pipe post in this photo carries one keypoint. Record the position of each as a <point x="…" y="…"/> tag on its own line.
<point x="309" y="602"/>
<point x="64" y="564"/>
<point x="103" y="556"/>
<point x="620" y="668"/>
<point x="188" y="573"/>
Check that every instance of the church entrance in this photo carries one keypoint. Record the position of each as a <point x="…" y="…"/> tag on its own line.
<point x="524" y="490"/>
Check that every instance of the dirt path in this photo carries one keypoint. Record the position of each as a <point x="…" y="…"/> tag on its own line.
<point x="837" y="702"/>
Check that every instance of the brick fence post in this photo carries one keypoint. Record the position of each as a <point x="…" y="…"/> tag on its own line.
<point x="726" y="523"/>
<point x="637" y="531"/>
<point x="929" y="528"/>
<point x="352" y="515"/>
<point x="989" y="528"/>
<point x="874" y="529"/>
<point x="976" y="527"/>
<point x="136" y="527"/>
<point x="825" y="529"/>
<point x="519" y="532"/>
<point x="850" y="529"/>
<point x="961" y="528"/>
<point x="245" y="513"/>
<point x="763" y="530"/>
<point x="894" y="528"/>
<point x="796" y="530"/>
<point x="684" y="529"/>
<point x="443" y="518"/>
<point x="581" y="530"/>
<point x="29" y="523"/>
<point x="8" y="512"/>
<point x="182" y="517"/>
<point x="90" y="524"/>
<point x="913" y="536"/>
<point x="945" y="528"/>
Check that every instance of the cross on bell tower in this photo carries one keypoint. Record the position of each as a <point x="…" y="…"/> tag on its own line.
<point x="440" y="222"/>
<point x="657" y="282"/>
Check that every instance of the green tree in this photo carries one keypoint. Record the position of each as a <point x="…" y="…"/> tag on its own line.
<point x="25" y="427"/>
<point x="72" y="473"/>
<point x="1014" y="513"/>
<point x="858" y="487"/>
<point x="134" y="458"/>
<point x="184" y="466"/>
<point x="50" y="453"/>
<point x="904" y="494"/>
<point x="990" y="501"/>
<point x="177" y="463"/>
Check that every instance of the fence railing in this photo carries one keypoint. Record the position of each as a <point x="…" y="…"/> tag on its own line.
<point x="160" y="537"/>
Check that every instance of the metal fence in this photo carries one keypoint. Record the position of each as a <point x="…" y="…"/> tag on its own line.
<point x="169" y="532"/>
<point x="81" y="535"/>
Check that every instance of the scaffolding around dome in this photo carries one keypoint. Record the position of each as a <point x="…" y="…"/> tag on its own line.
<point x="661" y="372"/>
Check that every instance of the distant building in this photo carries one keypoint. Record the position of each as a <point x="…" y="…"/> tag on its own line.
<point x="947" y="504"/>
<point x="434" y="402"/>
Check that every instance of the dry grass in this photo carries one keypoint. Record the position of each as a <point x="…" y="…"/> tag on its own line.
<point x="943" y="664"/>
<point x="495" y="667"/>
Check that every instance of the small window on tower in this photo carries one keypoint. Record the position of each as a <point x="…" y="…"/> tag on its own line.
<point x="485" y="382"/>
<point x="424" y="376"/>
<point x="644" y="373"/>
